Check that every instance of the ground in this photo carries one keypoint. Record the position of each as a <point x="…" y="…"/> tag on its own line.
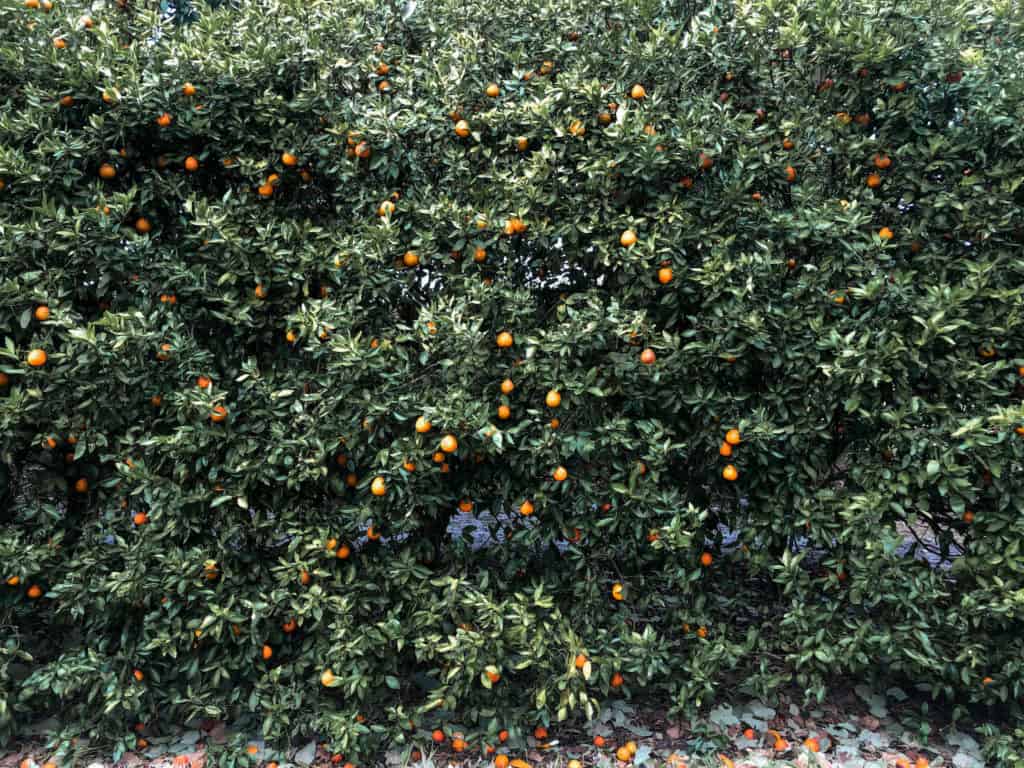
<point x="855" y="729"/>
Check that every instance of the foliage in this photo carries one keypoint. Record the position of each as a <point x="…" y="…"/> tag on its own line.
<point x="867" y="341"/>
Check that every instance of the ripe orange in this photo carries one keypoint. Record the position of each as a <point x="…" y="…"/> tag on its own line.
<point x="13" y="581"/>
<point x="188" y="89"/>
<point x="631" y="746"/>
<point x="812" y="744"/>
<point x="82" y="485"/>
<point x="493" y="677"/>
<point x="526" y="508"/>
<point x="363" y="150"/>
<point x="34" y="592"/>
<point x="265" y="190"/>
<point x="261" y="291"/>
<point x="289" y="626"/>
<point x="267" y="652"/>
<point x="706" y="559"/>
<point x="466" y="506"/>
<point x="882" y="161"/>
<point x="501" y="761"/>
<point x="540" y="732"/>
<point x="627" y="239"/>
<point x="480" y="255"/>
<point x="560" y="474"/>
<point x="885" y="233"/>
<point x="59" y="43"/>
<point x="637" y="92"/>
<point x="732" y="437"/>
<point x="137" y="674"/>
<point x="203" y="382"/>
<point x="218" y="414"/>
<point x="36" y="358"/>
<point x="706" y="162"/>
<point x="725" y="449"/>
<point x="438" y="736"/>
<point x="647" y="356"/>
<point x="423" y="425"/>
<point x="410" y="259"/>
<point x="507" y="386"/>
<point x="191" y="164"/>
<point x="968" y="517"/>
<point x="164" y="120"/>
<point x="493" y="90"/>
<point x="458" y="744"/>
<point x="462" y="129"/>
<point x="504" y="340"/>
<point x="553" y="399"/>
<point x="504" y="412"/>
<point x="378" y="487"/>
<point x="617" y="592"/>
<point x="616" y="680"/>
<point x="140" y="518"/>
<point x="107" y="171"/>
<point x="305" y="578"/>
<point x="622" y="754"/>
<point x="729" y="473"/>
<point x="288" y="159"/>
<point x="749" y="734"/>
<point x="503" y="736"/>
<point x="327" y="677"/>
<point x="449" y="444"/>
<point x="787" y="143"/>
<point x="343" y="553"/>
<point x="599" y="741"/>
<point x="874" y="181"/>
<point x="142" y="225"/>
<point x="665" y="275"/>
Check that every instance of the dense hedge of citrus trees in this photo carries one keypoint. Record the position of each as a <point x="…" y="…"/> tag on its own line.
<point x="711" y="311"/>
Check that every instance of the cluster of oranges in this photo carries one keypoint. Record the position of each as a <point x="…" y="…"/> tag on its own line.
<point x="732" y="439"/>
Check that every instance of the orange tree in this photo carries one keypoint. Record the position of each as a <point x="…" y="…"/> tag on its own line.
<point x="713" y="311"/>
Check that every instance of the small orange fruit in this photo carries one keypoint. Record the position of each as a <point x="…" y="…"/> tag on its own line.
<point x="874" y="181"/>
<point x="142" y="225"/>
<point x="617" y="592"/>
<point x="378" y="487"/>
<point x="137" y="674"/>
<point x="218" y="414"/>
<point x="449" y="444"/>
<point x="140" y="518"/>
<point x="107" y="171"/>
<point x="540" y="733"/>
<point x="622" y="754"/>
<point x="504" y="412"/>
<point x="260" y="291"/>
<point x="82" y="485"/>
<point x="706" y="559"/>
<point x="191" y="164"/>
<point x="732" y="437"/>
<point x="343" y="553"/>
<point x="647" y="357"/>
<point x="267" y="653"/>
<point x="34" y="592"/>
<point x="288" y="159"/>
<point x="637" y="92"/>
<point x="885" y="233"/>
<point x="203" y="382"/>
<point x="493" y="90"/>
<point x="616" y="680"/>
<point x="423" y="425"/>
<point x="36" y="358"/>
<point x="882" y="161"/>
<point x="526" y="508"/>
<point x="164" y="120"/>
<point x="749" y="734"/>
<point x="410" y="259"/>
<point x="790" y="174"/>
<point x="812" y="744"/>
<point x="560" y="474"/>
<point x="665" y="275"/>
<point x="504" y="340"/>
<point x="968" y="517"/>
<point x="729" y="473"/>
<point x="553" y="399"/>
<point x="327" y="678"/>
<point x="462" y="129"/>
<point x="627" y="239"/>
<point x="501" y="761"/>
<point x="507" y="386"/>
<point x="438" y="736"/>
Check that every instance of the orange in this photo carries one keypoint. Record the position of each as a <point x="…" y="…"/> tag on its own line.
<point x="622" y="754"/>
<point x="107" y="171"/>
<point x="267" y="652"/>
<point x="631" y="746"/>
<point x="812" y="744"/>
<point x="885" y="233"/>
<point x="554" y="423"/>
<point x="288" y="159"/>
<point x="577" y="128"/>
<point x="647" y="357"/>
<point x="34" y="592"/>
<point x="553" y="399"/>
<point x="343" y="552"/>
<point x="462" y="129"/>
<point x="790" y="174"/>
<point x="493" y="90"/>
<point x="260" y="291"/>
<point x="637" y="92"/>
<point x="423" y="425"/>
<point x="522" y="143"/>
<point x="706" y="559"/>
<point x="540" y="732"/>
<point x="203" y="382"/>
<point x="410" y="259"/>
<point x="140" y="518"/>
<point x="363" y="150"/>
<point x="438" y="736"/>
<point x="729" y="473"/>
<point x="874" y="181"/>
<point x="756" y="197"/>
<point x="156" y="401"/>
<point x="289" y="626"/>
<point x="480" y="255"/>
<point x="504" y="340"/>
<point x="705" y="161"/>
<point x="36" y="358"/>
<point x="327" y="677"/>
<point x="503" y="736"/>
<point x="882" y="161"/>
<point x="787" y="144"/>
<point x="82" y="485"/>
<point x="188" y="89"/>
<point x="493" y="677"/>
<point x="191" y="164"/>
<point x="507" y="386"/>
<point x="617" y="591"/>
<point x="384" y="86"/>
<point x="732" y="437"/>
<point x="968" y="517"/>
<point x="504" y="412"/>
<point x="501" y="761"/>
<point x="449" y="444"/>
<point x="458" y="744"/>
<point x="386" y="208"/>
<point x="526" y="508"/>
<point x="305" y="578"/>
<point x="142" y="225"/>
<point x="560" y="474"/>
<point x="466" y="506"/>
<point x="164" y="120"/>
<point x="749" y="734"/>
<point x="665" y="275"/>
<point x="13" y="581"/>
<point x="218" y="414"/>
<point x="627" y="239"/>
<point x="59" y="43"/>
<point x="616" y="680"/>
<point x="137" y="674"/>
